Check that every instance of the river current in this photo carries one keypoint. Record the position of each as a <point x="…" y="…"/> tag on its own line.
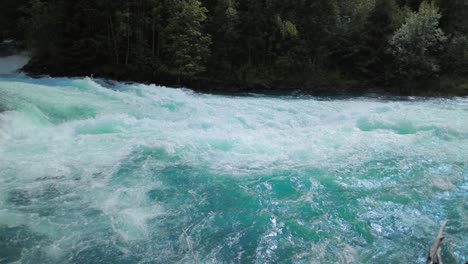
<point x="100" y="172"/>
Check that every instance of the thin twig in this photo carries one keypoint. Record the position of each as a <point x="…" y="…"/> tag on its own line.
<point x="189" y="244"/>
<point x="434" y="253"/>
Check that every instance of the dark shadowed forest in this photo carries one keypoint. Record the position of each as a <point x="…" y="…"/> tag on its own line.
<point x="416" y="46"/>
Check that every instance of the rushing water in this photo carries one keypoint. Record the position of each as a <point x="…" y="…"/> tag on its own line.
<point x="96" y="173"/>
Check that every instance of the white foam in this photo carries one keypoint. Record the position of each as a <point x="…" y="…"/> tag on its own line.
<point x="81" y="134"/>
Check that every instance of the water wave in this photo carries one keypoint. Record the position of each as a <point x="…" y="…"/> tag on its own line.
<point x="118" y="173"/>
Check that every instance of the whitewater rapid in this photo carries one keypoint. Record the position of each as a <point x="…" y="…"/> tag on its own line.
<point x="95" y="171"/>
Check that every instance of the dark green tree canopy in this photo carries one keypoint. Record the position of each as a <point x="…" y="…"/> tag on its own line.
<point x="296" y="42"/>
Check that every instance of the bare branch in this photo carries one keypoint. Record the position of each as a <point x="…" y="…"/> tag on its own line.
<point x="189" y="244"/>
<point x="434" y="253"/>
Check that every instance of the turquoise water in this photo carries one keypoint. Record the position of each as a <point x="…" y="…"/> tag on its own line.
<point x="100" y="173"/>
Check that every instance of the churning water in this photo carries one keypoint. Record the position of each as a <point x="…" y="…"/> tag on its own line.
<point x="96" y="173"/>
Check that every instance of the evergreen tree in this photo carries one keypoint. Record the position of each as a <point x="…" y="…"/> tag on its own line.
<point x="418" y="44"/>
<point x="293" y="42"/>
<point x="225" y="35"/>
<point x="82" y="43"/>
<point x="187" y="46"/>
<point x="41" y="25"/>
<point x="9" y="14"/>
<point x="369" y="55"/>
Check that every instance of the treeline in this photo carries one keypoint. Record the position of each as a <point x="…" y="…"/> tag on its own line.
<point x="289" y="43"/>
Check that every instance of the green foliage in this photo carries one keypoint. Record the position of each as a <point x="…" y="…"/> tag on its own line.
<point x="295" y="42"/>
<point x="39" y="24"/>
<point x="453" y="15"/>
<point x="286" y="28"/>
<point x="361" y="51"/>
<point x="455" y="59"/>
<point x="187" y="45"/>
<point x="418" y="44"/>
<point x="9" y="14"/>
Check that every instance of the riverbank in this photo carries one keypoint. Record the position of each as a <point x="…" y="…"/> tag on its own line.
<point x="201" y="84"/>
<point x="436" y="87"/>
<point x="13" y="58"/>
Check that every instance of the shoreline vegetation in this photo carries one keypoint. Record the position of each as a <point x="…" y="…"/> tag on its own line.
<point x="318" y="47"/>
<point x="424" y="88"/>
<point x="435" y="87"/>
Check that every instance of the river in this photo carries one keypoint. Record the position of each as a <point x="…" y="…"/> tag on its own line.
<point x="100" y="172"/>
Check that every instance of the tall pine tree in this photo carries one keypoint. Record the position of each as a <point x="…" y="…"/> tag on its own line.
<point x="187" y="47"/>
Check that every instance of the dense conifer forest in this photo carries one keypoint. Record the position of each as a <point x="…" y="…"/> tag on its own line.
<point x="409" y="44"/>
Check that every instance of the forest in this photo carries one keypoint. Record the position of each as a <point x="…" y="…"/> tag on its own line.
<point x="408" y="44"/>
